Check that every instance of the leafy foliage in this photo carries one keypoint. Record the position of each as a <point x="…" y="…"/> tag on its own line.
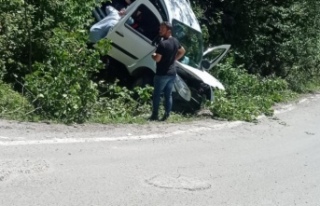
<point x="119" y="104"/>
<point x="61" y="85"/>
<point x="45" y="47"/>
<point x="269" y="38"/>
<point x="246" y="95"/>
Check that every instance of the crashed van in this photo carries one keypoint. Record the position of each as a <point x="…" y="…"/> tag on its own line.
<point x="132" y="46"/>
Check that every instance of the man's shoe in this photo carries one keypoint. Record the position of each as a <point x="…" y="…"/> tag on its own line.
<point x="153" y="118"/>
<point x="165" y="117"/>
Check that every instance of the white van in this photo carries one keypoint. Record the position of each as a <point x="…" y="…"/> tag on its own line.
<point x="132" y="46"/>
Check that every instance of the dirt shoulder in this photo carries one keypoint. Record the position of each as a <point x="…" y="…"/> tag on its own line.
<point x="14" y="129"/>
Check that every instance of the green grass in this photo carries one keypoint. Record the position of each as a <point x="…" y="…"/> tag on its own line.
<point x="13" y="105"/>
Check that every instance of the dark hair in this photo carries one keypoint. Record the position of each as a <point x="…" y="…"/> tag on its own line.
<point x="167" y="24"/>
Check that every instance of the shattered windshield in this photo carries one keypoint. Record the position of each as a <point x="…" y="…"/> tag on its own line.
<point x="191" y="40"/>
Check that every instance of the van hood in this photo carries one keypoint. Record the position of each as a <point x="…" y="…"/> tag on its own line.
<point x="201" y="75"/>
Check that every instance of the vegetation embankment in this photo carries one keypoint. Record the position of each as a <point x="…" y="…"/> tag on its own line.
<point x="47" y="71"/>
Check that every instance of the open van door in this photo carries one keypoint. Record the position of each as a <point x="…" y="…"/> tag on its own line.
<point x="212" y="56"/>
<point x="130" y="43"/>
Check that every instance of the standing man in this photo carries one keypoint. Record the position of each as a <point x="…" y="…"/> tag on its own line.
<point x="169" y="50"/>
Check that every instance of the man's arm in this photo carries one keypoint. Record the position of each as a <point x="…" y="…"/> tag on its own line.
<point x="180" y="53"/>
<point x="156" y="57"/>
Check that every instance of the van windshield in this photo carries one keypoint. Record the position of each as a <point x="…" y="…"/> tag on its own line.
<point x="191" y="40"/>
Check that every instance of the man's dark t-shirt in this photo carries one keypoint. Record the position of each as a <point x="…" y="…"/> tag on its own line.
<point x="168" y="48"/>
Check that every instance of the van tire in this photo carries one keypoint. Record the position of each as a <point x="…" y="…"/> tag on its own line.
<point x="182" y="106"/>
<point x="143" y="81"/>
<point x="186" y="107"/>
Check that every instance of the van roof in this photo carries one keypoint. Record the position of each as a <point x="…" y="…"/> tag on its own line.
<point x="181" y="11"/>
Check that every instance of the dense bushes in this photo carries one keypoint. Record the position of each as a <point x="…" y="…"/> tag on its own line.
<point x="246" y="95"/>
<point x="61" y="85"/>
<point x="45" y="52"/>
<point x="278" y="44"/>
<point x="119" y="104"/>
<point x="271" y="38"/>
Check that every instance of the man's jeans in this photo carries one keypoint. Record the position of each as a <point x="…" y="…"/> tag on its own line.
<point x="163" y="84"/>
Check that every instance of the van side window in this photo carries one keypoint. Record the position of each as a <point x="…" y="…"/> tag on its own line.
<point x="145" y="22"/>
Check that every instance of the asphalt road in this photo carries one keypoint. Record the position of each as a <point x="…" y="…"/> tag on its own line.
<point x="273" y="162"/>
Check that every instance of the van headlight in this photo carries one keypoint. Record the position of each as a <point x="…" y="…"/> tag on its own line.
<point x="182" y="88"/>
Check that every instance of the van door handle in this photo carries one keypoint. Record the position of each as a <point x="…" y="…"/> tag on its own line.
<point x="120" y="34"/>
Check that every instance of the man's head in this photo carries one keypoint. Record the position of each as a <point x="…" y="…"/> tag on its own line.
<point x="165" y="29"/>
<point x="129" y="1"/>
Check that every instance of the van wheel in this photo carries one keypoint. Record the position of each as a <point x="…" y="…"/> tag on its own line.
<point x="197" y="99"/>
<point x="182" y="106"/>
<point x="143" y="81"/>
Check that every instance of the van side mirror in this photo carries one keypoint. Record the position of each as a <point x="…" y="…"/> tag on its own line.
<point x="205" y="64"/>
